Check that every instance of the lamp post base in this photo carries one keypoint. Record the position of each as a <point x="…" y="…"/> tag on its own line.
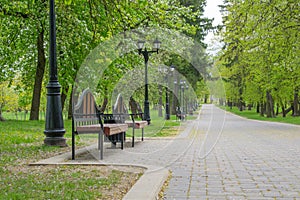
<point x="55" y="141"/>
<point x="54" y="126"/>
<point x="147" y="112"/>
<point x="167" y="117"/>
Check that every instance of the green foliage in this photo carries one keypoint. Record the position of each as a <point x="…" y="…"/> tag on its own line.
<point x="81" y="25"/>
<point x="8" y="97"/>
<point x="261" y="52"/>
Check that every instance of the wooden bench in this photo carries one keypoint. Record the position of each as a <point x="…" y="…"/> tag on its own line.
<point x="134" y="120"/>
<point x="87" y="119"/>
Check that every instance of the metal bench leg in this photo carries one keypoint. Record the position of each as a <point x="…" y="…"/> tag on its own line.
<point x="122" y="140"/>
<point x="133" y="130"/>
<point x="73" y="146"/>
<point x="100" y="144"/>
<point x="73" y="139"/>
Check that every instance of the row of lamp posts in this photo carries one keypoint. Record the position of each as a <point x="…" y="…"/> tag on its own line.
<point x="167" y="71"/>
<point x="181" y="86"/>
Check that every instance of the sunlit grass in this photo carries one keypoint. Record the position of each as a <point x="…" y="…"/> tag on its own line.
<point x="251" y="114"/>
<point x="21" y="143"/>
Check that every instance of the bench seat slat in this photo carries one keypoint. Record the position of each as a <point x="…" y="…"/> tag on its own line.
<point x="109" y="129"/>
<point x="138" y="124"/>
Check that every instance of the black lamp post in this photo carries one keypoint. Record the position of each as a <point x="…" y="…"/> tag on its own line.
<point x="186" y="100"/>
<point x="167" y="92"/>
<point x="146" y="53"/>
<point x="166" y="71"/>
<point x="54" y="127"/>
<point x="177" y="87"/>
<point x="182" y="85"/>
<point x="174" y="93"/>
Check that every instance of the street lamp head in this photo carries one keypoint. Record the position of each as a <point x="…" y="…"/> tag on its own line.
<point x="140" y="45"/>
<point x="156" y="45"/>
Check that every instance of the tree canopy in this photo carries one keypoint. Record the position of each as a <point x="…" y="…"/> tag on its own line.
<point x="81" y="26"/>
<point x="260" y="60"/>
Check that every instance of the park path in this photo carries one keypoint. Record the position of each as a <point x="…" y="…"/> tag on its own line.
<point x="235" y="158"/>
<point x="220" y="156"/>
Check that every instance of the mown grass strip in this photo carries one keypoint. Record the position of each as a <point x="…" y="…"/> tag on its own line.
<point x="252" y="114"/>
<point x="21" y="143"/>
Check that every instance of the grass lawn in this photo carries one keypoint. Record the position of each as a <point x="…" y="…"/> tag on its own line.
<point x="21" y="143"/>
<point x="251" y="114"/>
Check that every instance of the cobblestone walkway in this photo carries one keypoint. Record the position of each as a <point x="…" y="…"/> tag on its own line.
<point x="233" y="158"/>
<point x="222" y="156"/>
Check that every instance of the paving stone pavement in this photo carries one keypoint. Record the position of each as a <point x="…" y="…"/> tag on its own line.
<point x="222" y="156"/>
<point x="235" y="158"/>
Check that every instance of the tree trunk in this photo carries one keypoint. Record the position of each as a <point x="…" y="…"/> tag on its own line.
<point x="240" y="100"/>
<point x="295" y="104"/>
<point x="160" y="101"/>
<point x="262" y="108"/>
<point x="205" y="98"/>
<point x="230" y="103"/>
<point x="35" y="103"/>
<point x="240" y="104"/>
<point x="221" y="102"/>
<point x="288" y="110"/>
<point x="104" y="104"/>
<point x="174" y="103"/>
<point x="70" y="111"/>
<point x="1" y="117"/>
<point x="249" y="106"/>
<point x="283" y="109"/>
<point x="257" y="107"/>
<point x="64" y="95"/>
<point x="269" y="105"/>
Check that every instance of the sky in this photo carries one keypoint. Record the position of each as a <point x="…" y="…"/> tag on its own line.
<point x="212" y="11"/>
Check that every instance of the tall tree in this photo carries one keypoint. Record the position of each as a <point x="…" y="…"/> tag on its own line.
<point x="261" y="36"/>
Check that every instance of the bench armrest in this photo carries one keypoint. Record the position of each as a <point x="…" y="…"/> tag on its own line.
<point x="139" y="115"/>
<point x="114" y="118"/>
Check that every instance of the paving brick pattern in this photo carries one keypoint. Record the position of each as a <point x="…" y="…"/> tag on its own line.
<point x="222" y="156"/>
<point x="251" y="160"/>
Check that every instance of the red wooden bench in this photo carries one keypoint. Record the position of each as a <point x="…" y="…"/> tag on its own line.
<point x="87" y="119"/>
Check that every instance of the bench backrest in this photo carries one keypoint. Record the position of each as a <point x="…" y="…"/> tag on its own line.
<point x="119" y="111"/>
<point x="136" y="109"/>
<point x="120" y="106"/>
<point x="86" y="111"/>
